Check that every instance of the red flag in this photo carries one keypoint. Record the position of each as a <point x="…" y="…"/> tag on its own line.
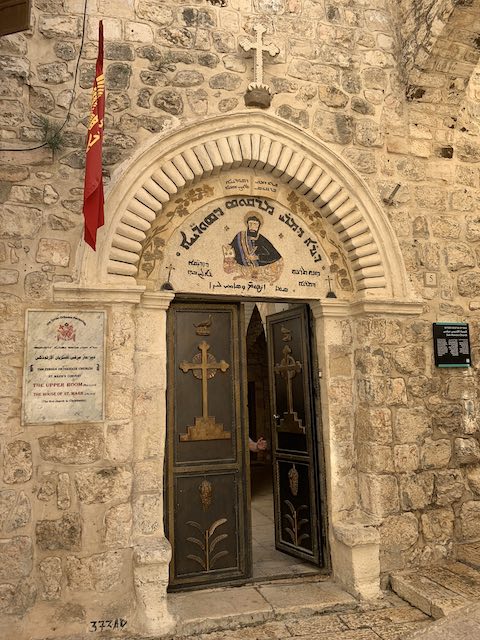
<point x="93" y="189"/>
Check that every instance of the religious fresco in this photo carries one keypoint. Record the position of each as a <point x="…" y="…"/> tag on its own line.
<point x="250" y="255"/>
<point x="245" y="236"/>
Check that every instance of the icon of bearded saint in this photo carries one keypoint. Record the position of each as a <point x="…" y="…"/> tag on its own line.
<point x="250" y="255"/>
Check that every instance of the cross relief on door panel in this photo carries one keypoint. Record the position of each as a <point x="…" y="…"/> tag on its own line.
<point x="288" y="369"/>
<point x="204" y="366"/>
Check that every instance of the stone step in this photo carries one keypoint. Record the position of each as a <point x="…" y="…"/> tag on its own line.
<point x="425" y="594"/>
<point x="227" y="608"/>
<point x="440" y="589"/>
<point x="469" y="554"/>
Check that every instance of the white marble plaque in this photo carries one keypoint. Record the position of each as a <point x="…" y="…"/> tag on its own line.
<point x="64" y="367"/>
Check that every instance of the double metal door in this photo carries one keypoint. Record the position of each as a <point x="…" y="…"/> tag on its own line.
<point x="207" y="466"/>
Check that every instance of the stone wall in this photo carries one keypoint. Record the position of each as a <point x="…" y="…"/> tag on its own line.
<point x="66" y="512"/>
<point x="417" y="444"/>
<point x="420" y="23"/>
<point x="75" y="501"/>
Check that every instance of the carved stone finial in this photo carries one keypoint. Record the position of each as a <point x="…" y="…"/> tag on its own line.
<point x="258" y="93"/>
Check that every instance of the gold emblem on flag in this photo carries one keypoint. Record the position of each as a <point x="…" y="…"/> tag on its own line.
<point x="97" y="92"/>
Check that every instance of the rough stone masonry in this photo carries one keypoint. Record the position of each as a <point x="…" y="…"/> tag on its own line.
<point x="392" y="89"/>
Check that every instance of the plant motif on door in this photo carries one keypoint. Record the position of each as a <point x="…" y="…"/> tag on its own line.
<point x="296" y="523"/>
<point x="207" y="543"/>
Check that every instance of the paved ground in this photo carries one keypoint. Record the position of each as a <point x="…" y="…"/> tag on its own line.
<point x="463" y="624"/>
<point x="306" y="609"/>
<point x="396" y="622"/>
<point x="314" y="608"/>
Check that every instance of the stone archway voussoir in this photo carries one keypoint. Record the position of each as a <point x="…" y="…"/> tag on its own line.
<point x="287" y="161"/>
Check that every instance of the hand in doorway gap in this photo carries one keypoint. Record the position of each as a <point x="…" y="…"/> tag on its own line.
<point x="259" y="445"/>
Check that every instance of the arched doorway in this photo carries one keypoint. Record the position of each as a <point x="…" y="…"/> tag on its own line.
<point x="272" y="148"/>
<point x="143" y="194"/>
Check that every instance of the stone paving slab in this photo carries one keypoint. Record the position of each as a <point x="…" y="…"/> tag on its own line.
<point x="207" y="610"/>
<point x="213" y="609"/>
<point x="401" y="631"/>
<point x="387" y="619"/>
<point x="359" y="634"/>
<point x="265" y="631"/>
<point x="463" y="585"/>
<point x="469" y="554"/>
<point x="315" y="625"/>
<point x="393" y="615"/>
<point x="443" y="588"/>
<point x="306" y="598"/>
<point x="464" y="570"/>
<point x="464" y="624"/>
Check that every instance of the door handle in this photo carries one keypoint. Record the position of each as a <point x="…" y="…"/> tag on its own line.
<point x="276" y="416"/>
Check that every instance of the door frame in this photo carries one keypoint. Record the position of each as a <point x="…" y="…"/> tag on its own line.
<point x="136" y="408"/>
<point x="317" y="431"/>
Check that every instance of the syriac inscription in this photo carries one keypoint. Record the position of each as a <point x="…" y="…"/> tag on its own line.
<point x="64" y="367"/>
<point x="247" y="245"/>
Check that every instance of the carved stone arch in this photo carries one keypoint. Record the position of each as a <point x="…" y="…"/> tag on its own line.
<point x="154" y="175"/>
<point x="136" y="371"/>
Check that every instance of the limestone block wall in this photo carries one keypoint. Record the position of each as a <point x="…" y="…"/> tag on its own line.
<point x="76" y="500"/>
<point x="420" y="24"/>
<point x="409" y="432"/>
<point x="417" y="443"/>
<point x="66" y="513"/>
<point x="82" y="505"/>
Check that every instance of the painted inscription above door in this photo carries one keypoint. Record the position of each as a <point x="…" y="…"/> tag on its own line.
<point x="246" y="246"/>
<point x="245" y="238"/>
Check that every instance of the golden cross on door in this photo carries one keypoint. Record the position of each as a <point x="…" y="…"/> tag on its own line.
<point x="204" y="366"/>
<point x="288" y="369"/>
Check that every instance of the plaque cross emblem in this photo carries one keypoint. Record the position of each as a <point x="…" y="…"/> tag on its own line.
<point x="288" y="369"/>
<point x="204" y="366"/>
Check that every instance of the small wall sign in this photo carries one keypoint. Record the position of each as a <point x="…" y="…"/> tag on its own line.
<point x="451" y="344"/>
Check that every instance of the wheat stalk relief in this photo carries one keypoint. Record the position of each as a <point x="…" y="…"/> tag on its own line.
<point x="208" y="543"/>
<point x="296" y="523"/>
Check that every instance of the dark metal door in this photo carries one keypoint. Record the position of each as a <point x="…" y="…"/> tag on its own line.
<point x="296" y="479"/>
<point x="208" y="521"/>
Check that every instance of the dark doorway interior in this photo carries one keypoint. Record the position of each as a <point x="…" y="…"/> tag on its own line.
<point x="267" y="561"/>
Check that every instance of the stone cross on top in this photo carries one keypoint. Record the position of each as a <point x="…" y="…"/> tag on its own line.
<point x="258" y="94"/>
